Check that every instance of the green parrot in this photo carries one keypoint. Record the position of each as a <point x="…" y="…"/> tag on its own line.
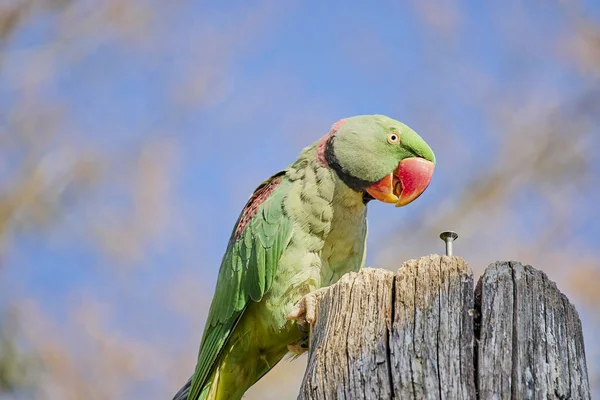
<point x="301" y="230"/>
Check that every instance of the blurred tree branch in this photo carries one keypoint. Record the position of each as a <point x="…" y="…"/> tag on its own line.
<point x="16" y="366"/>
<point x="43" y="168"/>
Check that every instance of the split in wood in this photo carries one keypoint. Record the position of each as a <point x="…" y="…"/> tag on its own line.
<point x="423" y="333"/>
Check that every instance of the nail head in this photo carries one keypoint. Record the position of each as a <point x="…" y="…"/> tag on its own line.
<point x="449" y="235"/>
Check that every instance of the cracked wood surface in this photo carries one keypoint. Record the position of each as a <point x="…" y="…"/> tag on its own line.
<point x="530" y="337"/>
<point x="382" y="335"/>
<point x="413" y="335"/>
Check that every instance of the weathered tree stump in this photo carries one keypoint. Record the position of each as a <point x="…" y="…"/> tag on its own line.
<point x="420" y="333"/>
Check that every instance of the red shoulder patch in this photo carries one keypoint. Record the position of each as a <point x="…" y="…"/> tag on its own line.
<point x="257" y="198"/>
<point x="323" y="142"/>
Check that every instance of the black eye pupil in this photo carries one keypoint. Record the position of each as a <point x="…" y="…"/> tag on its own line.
<point x="393" y="137"/>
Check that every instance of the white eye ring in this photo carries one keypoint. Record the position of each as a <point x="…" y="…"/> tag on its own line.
<point x="393" y="138"/>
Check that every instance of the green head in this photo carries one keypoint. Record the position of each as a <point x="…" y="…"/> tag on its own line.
<point x="380" y="156"/>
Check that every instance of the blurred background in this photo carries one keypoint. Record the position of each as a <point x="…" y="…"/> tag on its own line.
<point x="132" y="132"/>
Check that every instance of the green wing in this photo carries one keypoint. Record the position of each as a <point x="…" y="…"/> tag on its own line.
<point x="247" y="270"/>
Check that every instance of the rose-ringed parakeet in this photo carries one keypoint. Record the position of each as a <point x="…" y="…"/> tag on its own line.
<point x="301" y="230"/>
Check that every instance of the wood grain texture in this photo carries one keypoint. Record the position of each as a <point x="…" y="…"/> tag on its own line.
<point x="407" y="335"/>
<point x="530" y="337"/>
<point x="421" y="333"/>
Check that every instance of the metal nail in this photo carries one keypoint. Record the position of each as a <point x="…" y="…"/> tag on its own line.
<point x="448" y="237"/>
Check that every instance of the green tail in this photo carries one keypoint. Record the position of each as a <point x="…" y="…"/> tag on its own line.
<point x="184" y="392"/>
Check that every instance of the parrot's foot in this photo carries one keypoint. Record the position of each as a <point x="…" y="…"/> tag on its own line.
<point x="305" y="311"/>
<point x="300" y="347"/>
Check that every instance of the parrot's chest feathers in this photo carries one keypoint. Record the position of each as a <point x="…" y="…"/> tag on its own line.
<point x="328" y="238"/>
<point x="344" y="246"/>
<point x="329" y="228"/>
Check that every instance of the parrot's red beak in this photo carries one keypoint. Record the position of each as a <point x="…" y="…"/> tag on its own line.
<point x="405" y="184"/>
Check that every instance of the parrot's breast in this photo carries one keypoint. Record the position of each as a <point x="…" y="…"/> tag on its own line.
<point x="328" y="240"/>
<point x="344" y="246"/>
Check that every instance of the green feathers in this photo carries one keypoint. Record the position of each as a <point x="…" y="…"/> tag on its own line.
<point x="247" y="270"/>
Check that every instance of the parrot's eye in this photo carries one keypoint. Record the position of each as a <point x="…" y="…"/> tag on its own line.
<point x="393" y="138"/>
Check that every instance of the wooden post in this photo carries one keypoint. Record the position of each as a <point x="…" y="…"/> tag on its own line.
<point x="530" y="341"/>
<point x="420" y="333"/>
